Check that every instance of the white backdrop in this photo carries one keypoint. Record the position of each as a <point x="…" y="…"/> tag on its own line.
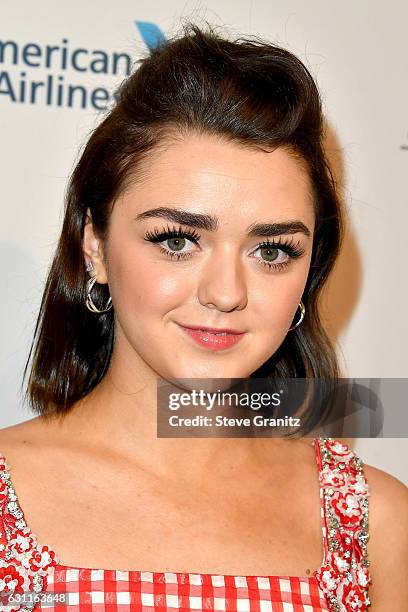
<point x="357" y="53"/>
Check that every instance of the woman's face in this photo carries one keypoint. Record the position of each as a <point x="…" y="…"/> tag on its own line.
<point x="220" y="276"/>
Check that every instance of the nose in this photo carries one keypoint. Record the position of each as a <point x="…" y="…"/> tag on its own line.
<point x="222" y="283"/>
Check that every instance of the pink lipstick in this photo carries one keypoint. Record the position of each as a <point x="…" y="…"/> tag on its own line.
<point x="212" y="338"/>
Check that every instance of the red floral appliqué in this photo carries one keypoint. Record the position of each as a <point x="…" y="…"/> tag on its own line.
<point x="24" y="563"/>
<point x="344" y="577"/>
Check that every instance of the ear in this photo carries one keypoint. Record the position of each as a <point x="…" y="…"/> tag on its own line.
<point x="93" y="251"/>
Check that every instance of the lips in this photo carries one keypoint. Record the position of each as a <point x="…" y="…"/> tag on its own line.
<point x="212" y="338"/>
<point x="213" y="330"/>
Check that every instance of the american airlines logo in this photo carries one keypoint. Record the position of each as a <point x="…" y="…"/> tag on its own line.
<point x="38" y="74"/>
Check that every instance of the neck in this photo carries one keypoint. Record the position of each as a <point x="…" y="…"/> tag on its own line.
<point x="119" y="416"/>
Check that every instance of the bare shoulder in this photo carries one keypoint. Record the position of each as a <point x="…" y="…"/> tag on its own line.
<point x="24" y="441"/>
<point x="21" y="432"/>
<point x="387" y="546"/>
<point x="389" y="495"/>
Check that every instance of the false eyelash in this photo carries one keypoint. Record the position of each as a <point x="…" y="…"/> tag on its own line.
<point x="157" y="236"/>
<point x="294" y="250"/>
<point x="286" y="245"/>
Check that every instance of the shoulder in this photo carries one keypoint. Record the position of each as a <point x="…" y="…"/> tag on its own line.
<point x="387" y="546"/>
<point x="19" y="435"/>
<point x="24" y="446"/>
<point x="389" y="500"/>
<point x="389" y="497"/>
<point x="385" y="484"/>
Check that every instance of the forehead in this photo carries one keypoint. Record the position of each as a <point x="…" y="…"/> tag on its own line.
<point x="207" y="174"/>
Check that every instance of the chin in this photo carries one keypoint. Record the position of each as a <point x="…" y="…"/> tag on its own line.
<point x="207" y="378"/>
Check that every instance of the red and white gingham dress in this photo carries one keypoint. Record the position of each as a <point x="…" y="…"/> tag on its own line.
<point x="32" y="578"/>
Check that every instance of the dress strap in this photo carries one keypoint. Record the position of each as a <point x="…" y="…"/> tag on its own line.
<point x="24" y="562"/>
<point x="344" y="576"/>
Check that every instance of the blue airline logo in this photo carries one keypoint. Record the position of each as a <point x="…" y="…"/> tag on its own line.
<point x="150" y="32"/>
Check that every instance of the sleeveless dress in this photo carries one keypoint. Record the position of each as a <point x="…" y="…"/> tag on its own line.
<point x="32" y="578"/>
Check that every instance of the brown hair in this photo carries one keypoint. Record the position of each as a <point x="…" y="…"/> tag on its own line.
<point x="247" y="91"/>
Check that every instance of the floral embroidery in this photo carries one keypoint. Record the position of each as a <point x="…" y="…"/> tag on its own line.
<point x="24" y="563"/>
<point x="344" y="577"/>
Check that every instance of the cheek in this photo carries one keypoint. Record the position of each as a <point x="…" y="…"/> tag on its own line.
<point x="146" y="287"/>
<point x="160" y="292"/>
<point x="276" y="301"/>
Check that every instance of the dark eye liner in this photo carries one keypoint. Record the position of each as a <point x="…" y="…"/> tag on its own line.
<point x="157" y="236"/>
<point x="294" y="250"/>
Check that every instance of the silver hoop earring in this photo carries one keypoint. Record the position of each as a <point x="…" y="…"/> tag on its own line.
<point x="302" y="316"/>
<point x="89" y="303"/>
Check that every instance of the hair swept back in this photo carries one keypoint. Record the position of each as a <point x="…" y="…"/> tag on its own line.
<point x="247" y="91"/>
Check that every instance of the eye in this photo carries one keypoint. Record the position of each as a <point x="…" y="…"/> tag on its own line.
<point x="176" y="238"/>
<point x="270" y="253"/>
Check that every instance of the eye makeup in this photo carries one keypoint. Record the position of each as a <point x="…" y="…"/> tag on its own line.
<point x="179" y="236"/>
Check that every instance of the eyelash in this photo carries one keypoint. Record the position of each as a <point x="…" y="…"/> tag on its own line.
<point x="288" y="246"/>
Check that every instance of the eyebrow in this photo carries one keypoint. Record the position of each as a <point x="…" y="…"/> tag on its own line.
<point x="210" y="223"/>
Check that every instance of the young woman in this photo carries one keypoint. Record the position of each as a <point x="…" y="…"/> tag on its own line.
<point x="202" y="201"/>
